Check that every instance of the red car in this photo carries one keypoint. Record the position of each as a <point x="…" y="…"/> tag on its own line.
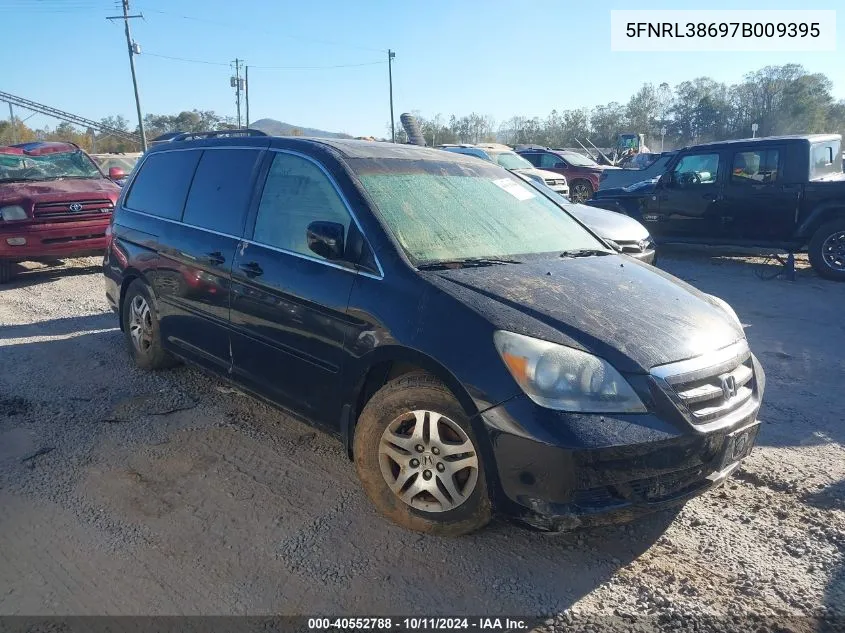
<point x="54" y="203"/>
<point x="582" y="173"/>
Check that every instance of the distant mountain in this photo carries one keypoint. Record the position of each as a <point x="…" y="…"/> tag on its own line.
<point x="278" y="128"/>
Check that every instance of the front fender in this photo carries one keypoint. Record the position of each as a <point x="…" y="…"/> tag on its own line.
<point x="818" y="216"/>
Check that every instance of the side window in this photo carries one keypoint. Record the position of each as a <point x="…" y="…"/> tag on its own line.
<point x="696" y="169"/>
<point x="534" y="159"/>
<point x="220" y="191"/>
<point x="161" y="187"/>
<point x="549" y="160"/>
<point x="755" y="167"/>
<point x="296" y="193"/>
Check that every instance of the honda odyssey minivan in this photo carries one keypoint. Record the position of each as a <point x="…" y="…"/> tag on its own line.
<point x="474" y="347"/>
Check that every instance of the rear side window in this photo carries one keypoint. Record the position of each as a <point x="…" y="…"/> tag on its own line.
<point x="825" y="159"/>
<point x="161" y="186"/>
<point x="755" y="167"/>
<point x="221" y="189"/>
<point x="296" y="193"/>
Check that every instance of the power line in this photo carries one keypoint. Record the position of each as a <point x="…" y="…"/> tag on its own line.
<point x="203" y="61"/>
<point x="252" y="29"/>
<point x="183" y="59"/>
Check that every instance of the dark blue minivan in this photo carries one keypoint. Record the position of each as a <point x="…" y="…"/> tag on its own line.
<point x="474" y="346"/>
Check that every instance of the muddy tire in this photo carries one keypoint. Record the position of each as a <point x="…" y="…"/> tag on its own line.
<point x="827" y="250"/>
<point x="418" y="459"/>
<point x="580" y="191"/>
<point x="140" y="325"/>
<point x="5" y="271"/>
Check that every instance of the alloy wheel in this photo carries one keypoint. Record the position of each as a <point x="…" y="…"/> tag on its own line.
<point x="140" y="324"/>
<point x="580" y="192"/>
<point x="833" y="251"/>
<point x="428" y="461"/>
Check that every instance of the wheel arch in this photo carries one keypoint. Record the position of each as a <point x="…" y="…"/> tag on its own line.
<point x="129" y="275"/>
<point x="384" y="364"/>
<point x="818" y="216"/>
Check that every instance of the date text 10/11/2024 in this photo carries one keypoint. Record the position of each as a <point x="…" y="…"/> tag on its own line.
<point x="418" y="624"/>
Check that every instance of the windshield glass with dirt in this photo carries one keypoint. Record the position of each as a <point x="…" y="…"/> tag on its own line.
<point x="578" y="160"/>
<point x="511" y="160"/>
<point x="55" y="166"/>
<point x="442" y="211"/>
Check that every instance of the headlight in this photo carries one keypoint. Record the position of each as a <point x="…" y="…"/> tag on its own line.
<point x="727" y="308"/>
<point x="566" y="379"/>
<point x="13" y="212"/>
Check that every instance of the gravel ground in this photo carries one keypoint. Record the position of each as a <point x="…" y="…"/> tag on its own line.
<point x="124" y="492"/>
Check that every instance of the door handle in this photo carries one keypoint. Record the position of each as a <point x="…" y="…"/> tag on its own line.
<point x="252" y="269"/>
<point x="215" y="259"/>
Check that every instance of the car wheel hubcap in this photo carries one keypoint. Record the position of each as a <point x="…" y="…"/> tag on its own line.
<point x="428" y="461"/>
<point x="580" y="193"/>
<point x="140" y="324"/>
<point x="833" y="251"/>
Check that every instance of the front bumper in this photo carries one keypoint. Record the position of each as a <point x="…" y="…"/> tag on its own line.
<point x="580" y="470"/>
<point x="561" y="189"/>
<point x="53" y="239"/>
<point x="648" y="256"/>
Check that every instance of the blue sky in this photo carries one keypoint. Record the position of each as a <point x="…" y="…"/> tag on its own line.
<point x="494" y="57"/>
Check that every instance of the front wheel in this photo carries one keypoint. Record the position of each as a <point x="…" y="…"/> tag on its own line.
<point x="827" y="250"/>
<point x="580" y="191"/>
<point x="418" y="459"/>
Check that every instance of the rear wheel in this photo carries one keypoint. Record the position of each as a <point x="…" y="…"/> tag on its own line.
<point x="827" y="250"/>
<point x="580" y="191"/>
<point x="418" y="459"/>
<point x="140" y="325"/>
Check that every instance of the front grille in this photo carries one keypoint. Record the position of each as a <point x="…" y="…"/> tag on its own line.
<point x="634" y="246"/>
<point x="650" y="490"/>
<point x="62" y="209"/>
<point x="711" y="387"/>
<point x="553" y="181"/>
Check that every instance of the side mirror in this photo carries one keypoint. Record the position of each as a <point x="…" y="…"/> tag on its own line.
<point x="326" y="239"/>
<point x="666" y="179"/>
<point x="116" y="173"/>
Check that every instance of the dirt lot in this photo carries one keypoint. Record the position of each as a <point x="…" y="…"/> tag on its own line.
<point x="124" y="492"/>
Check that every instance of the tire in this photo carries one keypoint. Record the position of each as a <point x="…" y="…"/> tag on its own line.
<point x="140" y="325"/>
<point x="400" y="411"/>
<point x="827" y="250"/>
<point x="5" y="271"/>
<point x="580" y="191"/>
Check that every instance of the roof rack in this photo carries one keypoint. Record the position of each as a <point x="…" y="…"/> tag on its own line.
<point x="187" y="136"/>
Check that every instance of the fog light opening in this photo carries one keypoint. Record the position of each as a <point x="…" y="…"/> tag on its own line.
<point x="16" y="241"/>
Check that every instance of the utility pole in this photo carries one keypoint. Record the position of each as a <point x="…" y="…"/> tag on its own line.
<point x="390" y="56"/>
<point x="246" y="92"/>
<point x="13" y="127"/>
<point x="237" y="83"/>
<point x="134" y="49"/>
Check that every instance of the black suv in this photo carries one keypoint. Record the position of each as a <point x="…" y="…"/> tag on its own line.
<point x="785" y="192"/>
<point x="472" y="344"/>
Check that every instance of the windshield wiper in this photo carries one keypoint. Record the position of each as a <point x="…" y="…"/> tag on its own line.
<point x="585" y="252"/>
<point x="467" y="262"/>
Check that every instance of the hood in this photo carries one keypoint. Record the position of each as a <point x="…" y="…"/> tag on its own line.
<point x="609" y="224"/>
<point x="58" y="190"/>
<point x="542" y="173"/>
<point x="643" y="187"/>
<point x="632" y="315"/>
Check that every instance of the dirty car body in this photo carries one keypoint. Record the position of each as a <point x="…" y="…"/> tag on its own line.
<point x="54" y="202"/>
<point x="411" y="299"/>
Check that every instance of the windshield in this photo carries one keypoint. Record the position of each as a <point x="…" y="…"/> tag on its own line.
<point x="444" y="211"/>
<point x="825" y="159"/>
<point x="512" y="160"/>
<point x="578" y="160"/>
<point x="126" y="163"/>
<point x="75" y="164"/>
